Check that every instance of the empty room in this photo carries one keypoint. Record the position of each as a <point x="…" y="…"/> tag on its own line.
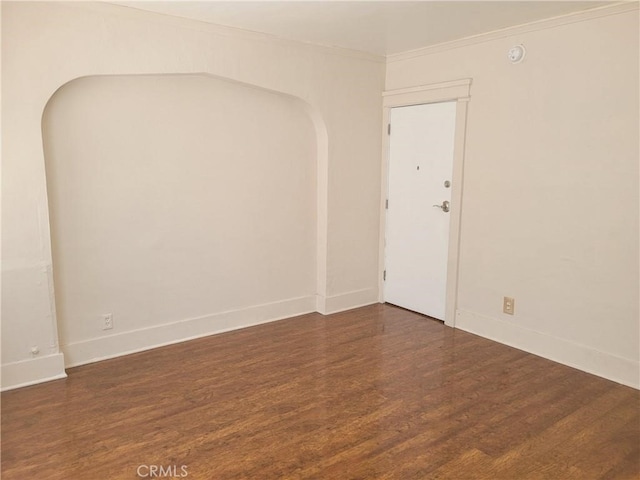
<point x="320" y="240"/>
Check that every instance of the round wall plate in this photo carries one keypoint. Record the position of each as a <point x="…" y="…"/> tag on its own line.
<point x="516" y="54"/>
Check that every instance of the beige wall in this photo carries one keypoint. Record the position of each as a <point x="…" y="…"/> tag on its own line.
<point x="174" y="197"/>
<point x="45" y="45"/>
<point x="550" y="199"/>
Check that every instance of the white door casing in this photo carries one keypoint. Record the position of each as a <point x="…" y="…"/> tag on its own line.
<point x="457" y="91"/>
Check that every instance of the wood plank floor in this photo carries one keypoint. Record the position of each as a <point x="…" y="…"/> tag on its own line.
<point x="373" y="393"/>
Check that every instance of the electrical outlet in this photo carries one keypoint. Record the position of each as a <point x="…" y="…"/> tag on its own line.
<point x="107" y="321"/>
<point x="508" y="305"/>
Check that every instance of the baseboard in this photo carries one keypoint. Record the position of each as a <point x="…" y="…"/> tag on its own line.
<point x="587" y="359"/>
<point x="346" y="301"/>
<point x="124" y="343"/>
<point x="32" y="371"/>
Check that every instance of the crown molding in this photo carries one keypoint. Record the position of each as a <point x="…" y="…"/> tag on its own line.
<point x="570" y="18"/>
<point x="104" y="7"/>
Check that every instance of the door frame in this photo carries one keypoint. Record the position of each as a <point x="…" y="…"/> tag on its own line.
<point x="459" y="92"/>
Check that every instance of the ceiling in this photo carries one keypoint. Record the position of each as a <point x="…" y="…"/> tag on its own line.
<point x="378" y="27"/>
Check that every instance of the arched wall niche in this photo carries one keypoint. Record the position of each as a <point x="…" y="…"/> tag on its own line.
<point x="183" y="205"/>
<point x="89" y="39"/>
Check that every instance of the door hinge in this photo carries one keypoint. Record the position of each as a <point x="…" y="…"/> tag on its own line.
<point x="389" y="129"/>
<point x="384" y="275"/>
<point x="386" y="204"/>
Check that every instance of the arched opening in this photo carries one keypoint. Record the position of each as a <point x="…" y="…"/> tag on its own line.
<point x="180" y="204"/>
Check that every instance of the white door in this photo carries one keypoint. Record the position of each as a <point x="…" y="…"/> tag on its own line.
<point x="419" y="196"/>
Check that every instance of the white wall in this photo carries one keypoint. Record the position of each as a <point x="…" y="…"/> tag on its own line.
<point x="550" y="199"/>
<point x="550" y="202"/>
<point x="171" y="198"/>
<point x="45" y="45"/>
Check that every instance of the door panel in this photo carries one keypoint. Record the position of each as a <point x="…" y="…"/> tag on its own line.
<point x="417" y="232"/>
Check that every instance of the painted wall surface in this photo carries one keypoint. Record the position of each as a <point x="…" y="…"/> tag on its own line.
<point x="550" y="197"/>
<point x="46" y="45"/>
<point x="172" y="197"/>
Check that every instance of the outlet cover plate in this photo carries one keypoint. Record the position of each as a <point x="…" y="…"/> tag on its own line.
<point x="509" y="305"/>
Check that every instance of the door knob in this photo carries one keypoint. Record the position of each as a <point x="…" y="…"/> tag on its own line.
<point x="444" y="206"/>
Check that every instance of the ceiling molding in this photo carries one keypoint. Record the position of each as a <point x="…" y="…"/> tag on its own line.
<point x="518" y="30"/>
<point x="221" y="30"/>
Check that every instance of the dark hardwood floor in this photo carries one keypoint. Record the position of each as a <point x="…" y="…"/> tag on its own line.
<point x="373" y="393"/>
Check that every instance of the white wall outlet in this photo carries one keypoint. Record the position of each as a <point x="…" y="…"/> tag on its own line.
<point x="107" y="321"/>
<point x="508" y="305"/>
